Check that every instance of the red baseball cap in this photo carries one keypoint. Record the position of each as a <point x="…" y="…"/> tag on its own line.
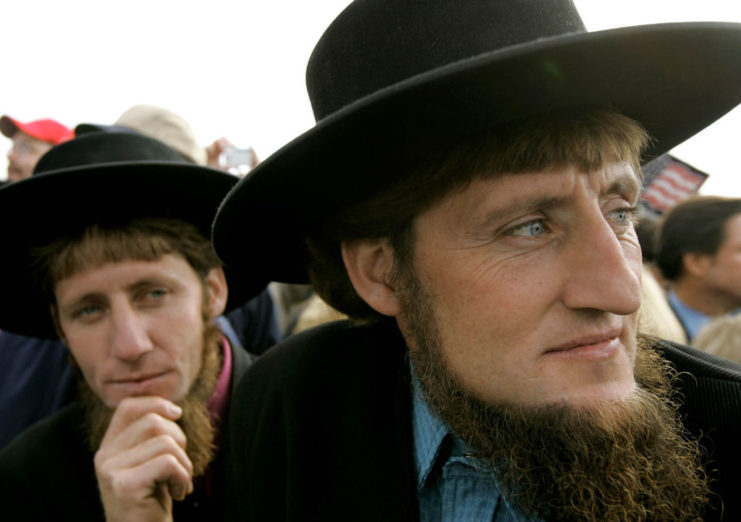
<point x="50" y="131"/>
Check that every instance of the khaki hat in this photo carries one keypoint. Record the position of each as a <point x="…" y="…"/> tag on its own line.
<point x="165" y="126"/>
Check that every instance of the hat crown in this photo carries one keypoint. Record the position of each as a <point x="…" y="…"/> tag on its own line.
<point x="166" y="126"/>
<point x="105" y="147"/>
<point x="374" y="44"/>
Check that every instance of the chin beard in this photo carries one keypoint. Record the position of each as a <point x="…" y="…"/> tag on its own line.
<point x="195" y="420"/>
<point x="623" y="460"/>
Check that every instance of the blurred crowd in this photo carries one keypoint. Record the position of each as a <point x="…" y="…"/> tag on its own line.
<point x="692" y="273"/>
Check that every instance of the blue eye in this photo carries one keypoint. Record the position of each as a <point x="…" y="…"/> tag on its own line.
<point x="624" y="216"/>
<point x="153" y="296"/>
<point x="531" y="229"/>
<point x="86" y="312"/>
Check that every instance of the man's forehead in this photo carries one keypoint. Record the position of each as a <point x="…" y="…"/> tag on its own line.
<point x="732" y="228"/>
<point x="512" y="188"/>
<point x="126" y="272"/>
<point x="92" y="246"/>
<point x="21" y="137"/>
<point x="609" y="175"/>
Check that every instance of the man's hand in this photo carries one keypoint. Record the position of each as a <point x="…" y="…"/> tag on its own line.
<point x="141" y="464"/>
<point x="214" y="152"/>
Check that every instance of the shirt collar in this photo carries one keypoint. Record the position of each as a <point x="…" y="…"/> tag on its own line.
<point x="430" y="436"/>
<point x="692" y="320"/>
<point x="429" y="433"/>
<point x="218" y="402"/>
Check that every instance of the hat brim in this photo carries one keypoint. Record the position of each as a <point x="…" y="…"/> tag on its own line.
<point x="86" y="128"/>
<point x="8" y="126"/>
<point x="675" y="79"/>
<point x="42" y="208"/>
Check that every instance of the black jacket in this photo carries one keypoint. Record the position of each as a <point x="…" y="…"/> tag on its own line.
<point x="323" y="429"/>
<point x="47" y="472"/>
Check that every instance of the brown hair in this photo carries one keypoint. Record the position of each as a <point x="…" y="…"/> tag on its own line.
<point x="588" y="141"/>
<point x="695" y="225"/>
<point x="144" y="239"/>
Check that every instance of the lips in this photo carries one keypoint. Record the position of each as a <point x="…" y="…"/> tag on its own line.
<point x="141" y="384"/>
<point x="586" y="340"/>
<point x="590" y="346"/>
<point x="160" y="383"/>
<point x="138" y="378"/>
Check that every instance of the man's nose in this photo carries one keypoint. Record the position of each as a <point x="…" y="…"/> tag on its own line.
<point x="603" y="270"/>
<point x="129" y="334"/>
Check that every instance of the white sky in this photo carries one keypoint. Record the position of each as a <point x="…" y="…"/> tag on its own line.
<point x="236" y="68"/>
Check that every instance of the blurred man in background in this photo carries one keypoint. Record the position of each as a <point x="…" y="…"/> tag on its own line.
<point x="30" y="141"/>
<point x="698" y="253"/>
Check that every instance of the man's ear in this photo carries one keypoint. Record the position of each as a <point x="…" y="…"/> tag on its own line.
<point x="696" y="263"/>
<point x="217" y="291"/>
<point x="368" y="263"/>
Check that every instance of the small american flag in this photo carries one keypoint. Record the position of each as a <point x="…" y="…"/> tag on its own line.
<point x="667" y="181"/>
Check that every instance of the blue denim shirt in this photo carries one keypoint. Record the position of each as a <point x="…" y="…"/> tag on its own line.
<point x="451" y="485"/>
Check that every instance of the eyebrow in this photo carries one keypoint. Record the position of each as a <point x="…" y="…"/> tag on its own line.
<point x="130" y="289"/>
<point x="72" y="305"/>
<point x="626" y="183"/>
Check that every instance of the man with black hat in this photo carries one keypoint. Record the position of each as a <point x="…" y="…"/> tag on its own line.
<point x="490" y="261"/>
<point x="126" y="276"/>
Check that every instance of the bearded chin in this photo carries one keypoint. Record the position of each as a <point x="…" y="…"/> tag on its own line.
<point x="626" y="460"/>
<point x="195" y="420"/>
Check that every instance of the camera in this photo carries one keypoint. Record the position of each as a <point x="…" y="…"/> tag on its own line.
<point x="241" y="160"/>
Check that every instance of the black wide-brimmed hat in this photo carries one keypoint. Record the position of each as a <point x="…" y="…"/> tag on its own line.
<point x="391" y="77"/>
<point x="106" y="179"/>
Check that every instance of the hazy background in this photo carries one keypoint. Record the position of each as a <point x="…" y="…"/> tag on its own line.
<point x="236" y="68"/>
